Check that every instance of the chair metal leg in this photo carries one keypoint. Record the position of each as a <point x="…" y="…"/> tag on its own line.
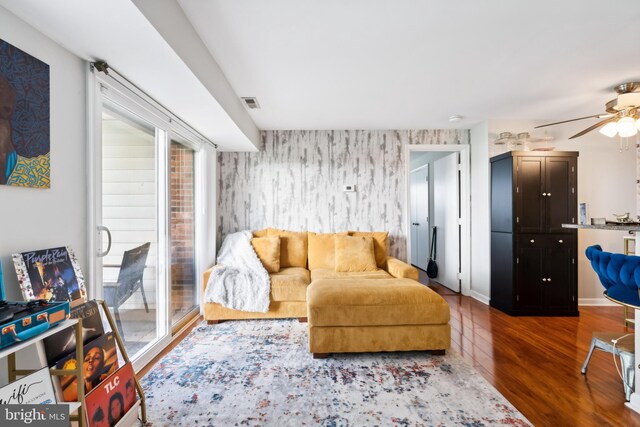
<point x="627" y="362"/>
<point x="116" y="314"/>
<point x="144" y="297"/>
<point x="586" y="362"/>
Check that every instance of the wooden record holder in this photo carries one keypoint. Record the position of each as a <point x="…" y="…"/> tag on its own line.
<point x="80" y="405"/>
<point x="125" y="356"/>
<point x="13" y="373"/>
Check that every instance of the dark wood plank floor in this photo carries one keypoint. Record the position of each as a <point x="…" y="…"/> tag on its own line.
<point x="535" y="361"/>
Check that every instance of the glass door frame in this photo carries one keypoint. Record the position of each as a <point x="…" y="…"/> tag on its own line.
<point x="105" y="90"/>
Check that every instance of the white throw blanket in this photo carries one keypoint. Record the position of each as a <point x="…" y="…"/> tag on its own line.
<point x="239" y="281"/>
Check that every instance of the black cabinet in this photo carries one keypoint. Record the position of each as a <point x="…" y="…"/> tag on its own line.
<point x="533" y="259"/>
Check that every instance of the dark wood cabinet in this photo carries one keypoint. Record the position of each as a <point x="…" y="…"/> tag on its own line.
<point x="533" y="259"/>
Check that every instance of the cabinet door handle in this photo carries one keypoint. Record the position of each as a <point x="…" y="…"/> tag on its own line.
<point x="548" y="194"/>
<point x="532" y="241"/>
<point x="544" y="280"/>
<point x="560" y="241"/>
<point x="544" y="194"/>
<point x="548" y="279"/>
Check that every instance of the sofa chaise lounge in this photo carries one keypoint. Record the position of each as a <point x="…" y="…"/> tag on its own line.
<point x="355" y="297"/>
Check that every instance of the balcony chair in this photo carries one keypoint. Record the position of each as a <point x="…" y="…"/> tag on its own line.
<point x="130" y="279"/>
<point x="620" y="275"/>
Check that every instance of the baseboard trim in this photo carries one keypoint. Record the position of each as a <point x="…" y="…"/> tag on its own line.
<point x="597" y="302"/>
<point x="634" y="403"/>
<point x="480" y="297"/>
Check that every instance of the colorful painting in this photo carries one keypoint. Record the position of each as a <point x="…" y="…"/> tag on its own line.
<point x="24" y="119"/>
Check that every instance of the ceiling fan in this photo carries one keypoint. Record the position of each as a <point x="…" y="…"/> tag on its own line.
<point x="622" y="116"/>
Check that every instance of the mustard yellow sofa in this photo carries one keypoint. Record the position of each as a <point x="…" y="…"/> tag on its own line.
<point x="355" y="297"/>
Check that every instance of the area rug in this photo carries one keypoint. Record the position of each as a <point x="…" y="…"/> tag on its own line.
<point x="260" y="373"/>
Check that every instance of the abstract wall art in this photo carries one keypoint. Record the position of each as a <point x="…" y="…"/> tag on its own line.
<point x="24" y="119"/>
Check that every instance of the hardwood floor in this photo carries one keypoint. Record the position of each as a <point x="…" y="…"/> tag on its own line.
<point x="535" y="362"/>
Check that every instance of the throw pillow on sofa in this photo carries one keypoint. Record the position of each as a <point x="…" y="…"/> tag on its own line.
<point x="261" y="233"/>
<point x="355" y="254"/>
<point x="293" y="247"/>
<point x="268" y="250"/>
<point x="322" y="250"/>
<point x="379" y="244"/>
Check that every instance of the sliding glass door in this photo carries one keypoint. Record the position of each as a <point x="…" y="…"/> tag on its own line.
<point x="129" y="222"/>
<point x="129" y="226"/>
<point x="145" y="205"/>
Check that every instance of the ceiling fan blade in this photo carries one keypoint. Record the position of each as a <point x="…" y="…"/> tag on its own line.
<point x="595" y="116"/>
<point x="597" y="125"/>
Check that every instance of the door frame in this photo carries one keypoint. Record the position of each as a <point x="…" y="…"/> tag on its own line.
<point x="465" y="204"/>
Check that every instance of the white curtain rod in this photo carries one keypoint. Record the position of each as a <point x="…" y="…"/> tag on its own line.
<point x="104" y="68"/>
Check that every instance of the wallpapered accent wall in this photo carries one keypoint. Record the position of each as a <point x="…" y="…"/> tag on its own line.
<point x="296" y="181"/>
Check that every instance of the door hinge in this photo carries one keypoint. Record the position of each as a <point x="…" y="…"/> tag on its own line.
<point x="517" y="219"/>
<point x="517" y="190"/>
<point x="517" y="297"/>
<point x="460" y="276"/>
<point x="573" y="220"/>
<point x="573" y="260"/>
<point x="517" y="260"/>
<point x="573" y="298"/>
<point x="573" y="169"/>
<point x="573" y="190"/>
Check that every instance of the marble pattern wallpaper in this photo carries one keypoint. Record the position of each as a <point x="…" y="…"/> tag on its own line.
<point x="296" y="181"/>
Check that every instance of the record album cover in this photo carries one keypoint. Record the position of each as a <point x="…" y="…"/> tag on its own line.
<point x="64" y="342"/>
<point x="33" y="389"/>
<point x="99" y="361"/>
<point x="112" y="399"/>
<point x="50" y="274"/>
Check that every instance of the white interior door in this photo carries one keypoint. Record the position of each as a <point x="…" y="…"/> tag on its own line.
<point x="414" y="238"/>
<point x="420" y="217"/>
<point x="446" y="214"/>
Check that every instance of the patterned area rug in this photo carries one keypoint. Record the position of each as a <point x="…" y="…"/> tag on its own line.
<point x="260" y="373"/>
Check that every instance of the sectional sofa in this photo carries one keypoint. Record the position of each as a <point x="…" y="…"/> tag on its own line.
<point x="355" y="297"/>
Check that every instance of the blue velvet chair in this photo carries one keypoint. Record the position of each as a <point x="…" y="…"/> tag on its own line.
<point x="620" y="275"/>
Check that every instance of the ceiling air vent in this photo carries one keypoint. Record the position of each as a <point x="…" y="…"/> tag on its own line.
<point x="251" y="103"/>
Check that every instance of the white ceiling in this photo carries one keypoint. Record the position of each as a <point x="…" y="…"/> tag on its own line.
<point x="376" y="64"/>
<point x="117" y="32"/>
<point x="357" y="64"/>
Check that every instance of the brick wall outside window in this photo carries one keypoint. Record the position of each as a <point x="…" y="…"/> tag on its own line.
<point x="182" y="229"/>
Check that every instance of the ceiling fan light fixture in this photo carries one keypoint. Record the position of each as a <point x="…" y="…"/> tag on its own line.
<point x="610" y="129"/>
<point x="627" y="127"/>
